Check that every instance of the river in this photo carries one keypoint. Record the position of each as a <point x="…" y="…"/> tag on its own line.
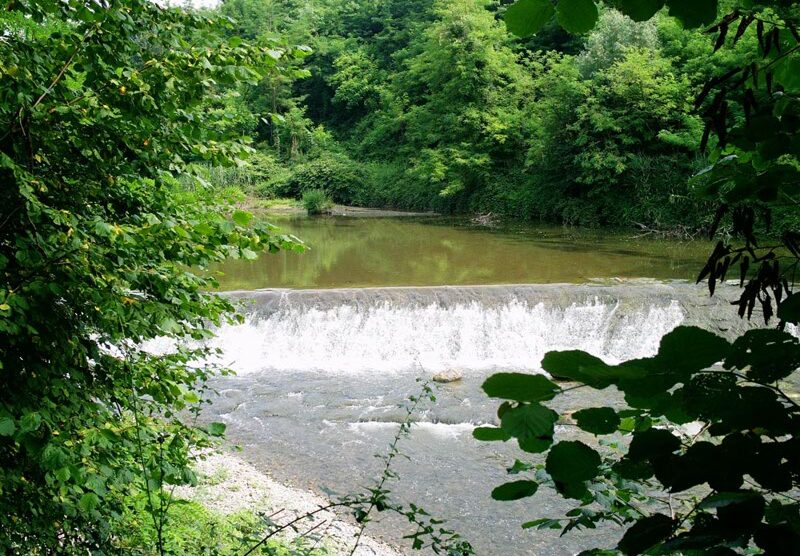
<point x="335" y="339"/>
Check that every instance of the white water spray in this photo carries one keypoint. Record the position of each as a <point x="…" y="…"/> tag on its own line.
<point x="471" y="329"/>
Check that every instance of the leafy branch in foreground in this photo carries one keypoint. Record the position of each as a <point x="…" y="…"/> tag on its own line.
<point x="429" y="533"/>
<point x="103" y="121"/>
<point x="728" y="484"/>
<point x="731" y="486"/>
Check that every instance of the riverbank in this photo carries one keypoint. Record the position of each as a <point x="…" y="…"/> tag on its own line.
<point x="294" y="207"/>
<point x="229" y="486"/>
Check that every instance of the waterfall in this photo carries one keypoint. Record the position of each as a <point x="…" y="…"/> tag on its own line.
<point x="391" y="330"/>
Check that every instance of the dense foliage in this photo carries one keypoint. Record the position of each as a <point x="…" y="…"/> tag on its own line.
<point x="699" y="453"/>
<point x="105" y="235"/>
<point x="437" y="107"/>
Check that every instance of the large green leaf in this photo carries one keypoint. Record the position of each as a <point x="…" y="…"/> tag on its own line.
<point x="490" y="434"/>
<point x="529" y="421"/>
<point x="598" y="420"/>
<point x="520" y="387"/>
<point x="579" y="366"/>
<point x="770" y="354"/>
<point x="89" y="502"/>
<point x="216" y="429"/>
<point x="692" y="468"/>
<point x="693" y="13"/>
<point x="645" y="533"/>
<point x="526" y="17"/>
<point x="787" y="73"/>
<point x="689" y="348"/>
<point x="651" y="444"/>
<point x="639" y="10"/>
<point x="515" y="490"/>
<point x="789" y="310"/>
<point x="535" y="445"/>
<point x="7" y="426"/>
<point x="577" y="16"/>
<point x="572" y="462"/>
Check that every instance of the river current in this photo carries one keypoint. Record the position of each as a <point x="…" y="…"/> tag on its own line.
<point x="321" y="375"/>
<point x="335" y="340"/>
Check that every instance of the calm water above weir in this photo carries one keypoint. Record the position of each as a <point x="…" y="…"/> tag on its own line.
<point x="433" y="251"/>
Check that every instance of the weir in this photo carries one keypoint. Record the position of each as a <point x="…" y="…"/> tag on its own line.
<point x="471" y="328"/>
<point x="321" y="376"/>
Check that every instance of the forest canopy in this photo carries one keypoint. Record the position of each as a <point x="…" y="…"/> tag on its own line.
<point x="434" y="105"/>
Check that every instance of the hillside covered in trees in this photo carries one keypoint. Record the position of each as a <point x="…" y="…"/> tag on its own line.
<point x="433" y="105"/>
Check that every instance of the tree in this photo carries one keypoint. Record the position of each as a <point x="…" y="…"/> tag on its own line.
<point x="727" y="487"/>
<point x="106" y="237"/>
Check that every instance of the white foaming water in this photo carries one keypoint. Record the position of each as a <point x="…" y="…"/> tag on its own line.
<point x="385" y="336"/>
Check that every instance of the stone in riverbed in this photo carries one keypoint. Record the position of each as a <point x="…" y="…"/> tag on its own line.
<point x="450" y="375"/>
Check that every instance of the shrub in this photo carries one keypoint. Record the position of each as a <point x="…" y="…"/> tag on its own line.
<point x="337" y="175"/>
<point x="316" y="201"/>
<point x="193" y="529"/>
<point x="260" y="175"/>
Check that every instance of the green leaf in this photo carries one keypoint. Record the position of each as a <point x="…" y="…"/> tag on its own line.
<point x="30" y="422"/>
<point x="241" y="217"/>
<point x="490" y="434"/>
<point x="639" y="10"/>
<point x="651" y="444"/>
<point x="787" y="73"/>
<point x="789" y="310"/>
<point x="577" y="16"/>
<point x="216" y="429"/>
<point x="572" y="462"/>
<point x="520" y="387"/>
<point x="535" y="445"/>
<point x="767" y="354"/>
<point x="645" y="533"/>
<point x="63" y="474"/>
<point x="598" y="420"/>
<point x="579" y="366"/>
<point x="515" y="490"/>
<point x="543" y="523"/>
<point x="191" y="397"/>
<point x="690" y="349"/>
<point x="693" y="13"/>
<point x="526" y="17"/>
<point x="7" y="426"/>
<point x="88" y="502"/>
<point x="529" y="421"/>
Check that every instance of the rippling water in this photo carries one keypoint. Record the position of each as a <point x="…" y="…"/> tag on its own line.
<point x="321" y="374"/>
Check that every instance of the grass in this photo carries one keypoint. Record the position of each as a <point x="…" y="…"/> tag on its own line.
<point x="316" y="201"/>
<point x="194" y="530"/>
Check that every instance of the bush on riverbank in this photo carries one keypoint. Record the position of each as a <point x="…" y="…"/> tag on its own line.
<point x="316" y="201"/>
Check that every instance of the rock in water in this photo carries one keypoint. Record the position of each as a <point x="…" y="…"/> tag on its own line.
<point x="450" y="375"/>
